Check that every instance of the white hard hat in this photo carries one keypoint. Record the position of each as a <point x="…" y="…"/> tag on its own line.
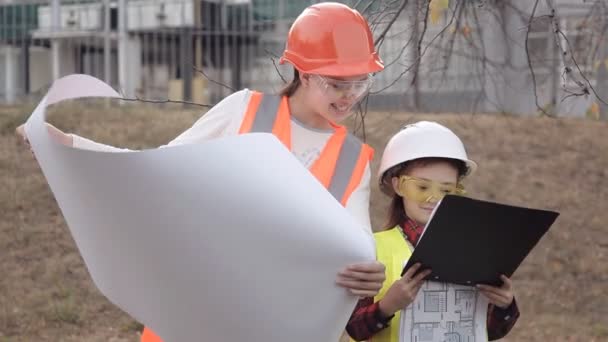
<point x="423" y="139"/>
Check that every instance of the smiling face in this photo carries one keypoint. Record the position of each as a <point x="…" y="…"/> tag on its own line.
<point x="423" y="185"/>
<point x="334" y="98"/>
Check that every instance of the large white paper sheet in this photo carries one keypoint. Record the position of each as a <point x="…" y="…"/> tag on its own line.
<point x="230" y="240"/>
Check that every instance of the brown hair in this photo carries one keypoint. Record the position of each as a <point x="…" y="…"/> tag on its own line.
<point x="291" y="88"/>
<point x="396" y="210"/>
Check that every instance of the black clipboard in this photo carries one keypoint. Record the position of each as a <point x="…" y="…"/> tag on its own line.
<point x="469" y="241"/>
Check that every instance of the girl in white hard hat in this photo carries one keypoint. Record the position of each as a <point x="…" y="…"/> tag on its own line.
<point x="420" y="165"/>
<point x="331" y="48"/>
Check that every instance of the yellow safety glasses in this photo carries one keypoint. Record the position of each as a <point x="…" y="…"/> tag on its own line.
<point x="426" y="191"/>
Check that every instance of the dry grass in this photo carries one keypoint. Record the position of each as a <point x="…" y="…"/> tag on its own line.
<point x="47" y="295"/>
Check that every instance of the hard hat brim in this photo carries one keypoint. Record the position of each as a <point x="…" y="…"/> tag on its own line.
<point x="338" y="69"/>
<point x="387" y="188"/>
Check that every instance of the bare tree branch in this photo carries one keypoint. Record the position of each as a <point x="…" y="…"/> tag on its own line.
<point x="572" y="94"/>
<point x="444" y="47"/>
<point x="362" y="113"/>
<point x="418" y="58"/>
<point x="532" y="73"/>
<point x="594" y="11"/>
<point x="559" y="35"/>
<point x="601" y="35"/>
<point x="524" y="17"/>
<point x="137" y="99"/>
<point x="390" y="24"/>
<point x="588" y="84"/>
<point x="459" y="8"/>
<point x="405" y="46"/>
<point x="276" y="68"/>
<point x="425" y="26"/>
<point x="366" y="7"/>
<point x="273" y="58"/>
<point x="202" y="72"/>
<point x="376" y="17"/>
<point x="484" y="67"/>
<point x="356" y="5"/>
<point x="482" y="50"/>
<point x="379" y="21"/>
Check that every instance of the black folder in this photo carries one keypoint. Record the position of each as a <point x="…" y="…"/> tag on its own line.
<point x="469" y="241"/>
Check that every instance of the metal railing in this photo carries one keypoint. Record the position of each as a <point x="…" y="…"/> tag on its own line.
<point x="202" y="50"/>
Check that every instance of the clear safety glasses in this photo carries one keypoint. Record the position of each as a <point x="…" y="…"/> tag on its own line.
<point x="345" y="89"/>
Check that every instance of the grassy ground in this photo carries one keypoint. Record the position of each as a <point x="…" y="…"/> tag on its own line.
<point x="47" y="295"/>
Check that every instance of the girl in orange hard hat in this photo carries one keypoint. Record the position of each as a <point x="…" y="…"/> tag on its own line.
<point x="331" y="49"/>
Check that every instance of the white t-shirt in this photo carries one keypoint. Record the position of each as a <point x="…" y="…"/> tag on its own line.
<point x="225" y="119"/>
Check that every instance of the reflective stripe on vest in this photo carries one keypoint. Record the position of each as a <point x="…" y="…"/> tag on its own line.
<point x="392" y="250"/>
<point x="340" y="165"/>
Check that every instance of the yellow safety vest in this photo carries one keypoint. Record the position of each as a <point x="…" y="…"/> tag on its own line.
<point x="392" y="250"/>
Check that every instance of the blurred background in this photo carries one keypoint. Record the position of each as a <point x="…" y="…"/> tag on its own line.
<point x="523" y="82"/>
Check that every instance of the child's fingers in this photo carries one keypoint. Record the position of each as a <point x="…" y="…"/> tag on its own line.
<point x="410" y="273"/>
<point x="506" y="282"/>
<point x="419" y="278"/>
<point x="497" y="299"/>
<point x="493" y="298"/>
<point x="493" y="289"/>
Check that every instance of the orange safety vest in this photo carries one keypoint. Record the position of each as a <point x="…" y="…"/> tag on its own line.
<point x="340" y="165"/>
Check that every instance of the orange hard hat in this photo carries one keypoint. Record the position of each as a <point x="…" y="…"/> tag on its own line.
<point x="331" y="39"/>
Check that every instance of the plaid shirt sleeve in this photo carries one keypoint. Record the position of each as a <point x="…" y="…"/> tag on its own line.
<point x="501" y="321"/>
<point x="366" y="320"/>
